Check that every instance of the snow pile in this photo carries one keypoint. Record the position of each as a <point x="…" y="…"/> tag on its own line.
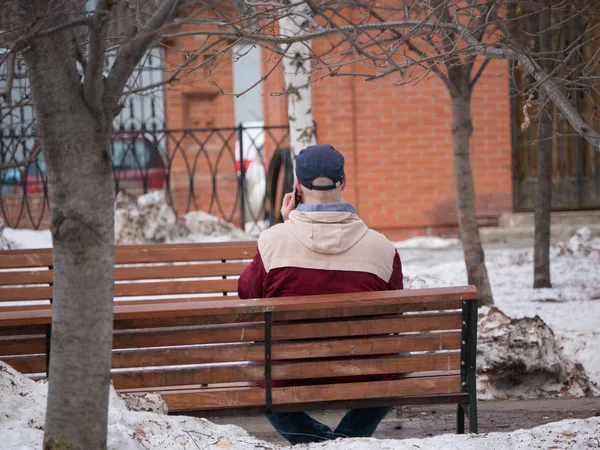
<point x="148" y="219"/>
<point x="22" y="427"/>
<point x="11" y="239"/>
<point x="5" y="244"/>
<point x="428" y="242"/>
<point x="22" y="416"/>
<point x="152" y="401"/>
<point x="198" y="226"/>
<point x="520" y="358"/>
<point x="581" y="243"/>
<point x="570" y="309"/>
<point x="142" y="220"/>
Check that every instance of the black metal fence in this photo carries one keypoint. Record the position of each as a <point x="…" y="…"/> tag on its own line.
<point x="236" y="173"/>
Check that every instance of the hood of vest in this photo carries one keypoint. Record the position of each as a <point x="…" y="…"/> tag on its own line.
<point x="326" y="232"/>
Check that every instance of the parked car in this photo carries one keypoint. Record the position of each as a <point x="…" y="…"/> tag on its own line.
<point x="9" y="180"/>
<point x="137" y="164"/>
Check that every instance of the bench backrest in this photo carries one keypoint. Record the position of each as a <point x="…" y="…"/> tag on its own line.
<point x="179" y="347"/>
<point x="168" y="271"/>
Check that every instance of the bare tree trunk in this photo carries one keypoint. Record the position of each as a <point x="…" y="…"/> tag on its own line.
<point x="462" y="128"/>
<point x="543" y="198"/>
<point x="297" y="75"/>
<point x="76" y="148"/>
<point x="543" y="188"/>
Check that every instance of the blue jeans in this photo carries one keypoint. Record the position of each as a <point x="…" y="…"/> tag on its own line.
<point x="301" y="428"/>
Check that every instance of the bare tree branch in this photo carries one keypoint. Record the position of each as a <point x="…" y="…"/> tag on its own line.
<point x="93" y="86"/>
<point x="484" y="64"/>
<point x="131" y="53"/>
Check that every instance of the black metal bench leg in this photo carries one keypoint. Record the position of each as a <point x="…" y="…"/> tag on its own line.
<point x="472" y="414"/>
<point x="48" y="339"/>
<point x="460" y="419"/>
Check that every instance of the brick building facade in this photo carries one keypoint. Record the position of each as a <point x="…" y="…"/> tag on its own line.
<point x="396" y="139"/>
<point x="398" y="147"/>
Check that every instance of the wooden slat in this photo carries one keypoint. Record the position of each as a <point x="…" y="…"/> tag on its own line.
<point x="22" y="345"/>
<point x="357" y="391"/>
<point x="131" y="254"/>
<point x="248" y="332"/>
<point x="406" y="300"/>
<point x="134" y="273"/>
<point x="26" y="277"/>
<point x="25" y="293"/>
<point x="208" y="374"/>
<point x="285" y="350"/>
<point x="27" y="364"/>
<point x="13" y="259"/>
<point x="180" y="271"/>
<point x="22" y="330"/>
<point x="190" y="388"/>
<point x="187" y="253"/>
<point x="422" y="400"/>
<point x="175" y="287"/>
<point x="213" y="398"/>
<point x="416" y="388"/>
<point x="130" y="289"/>
<point x="285" y="316"/>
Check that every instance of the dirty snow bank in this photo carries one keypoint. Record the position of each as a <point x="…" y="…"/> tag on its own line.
<point x="24" y="401"/>
<point x="521" y="355"/>
<point x="11" y="239"/>
<point x="22" y="416"/>
<point x="149" y="219"/>
<point x="521" y="358"/>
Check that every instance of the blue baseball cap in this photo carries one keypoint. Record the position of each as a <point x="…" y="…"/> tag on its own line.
<point x="320" y="161"/>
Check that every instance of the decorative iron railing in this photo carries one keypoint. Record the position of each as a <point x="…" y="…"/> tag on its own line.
<point x="223" y="171"/>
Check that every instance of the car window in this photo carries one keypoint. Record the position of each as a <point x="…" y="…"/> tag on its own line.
<point x="130" y="154"/>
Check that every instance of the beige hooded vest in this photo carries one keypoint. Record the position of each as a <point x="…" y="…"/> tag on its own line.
<point x="327" y="241"/>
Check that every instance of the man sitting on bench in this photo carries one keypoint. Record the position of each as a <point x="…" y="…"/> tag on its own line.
<point x="322" y="248"/>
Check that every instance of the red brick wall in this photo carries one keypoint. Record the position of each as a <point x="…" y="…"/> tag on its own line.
<point x="398" y="147"/>
<point x="195" y="102"/>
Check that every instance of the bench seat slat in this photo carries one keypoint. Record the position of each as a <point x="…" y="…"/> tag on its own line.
<point x="416" y="388"/>
<point x="209" y="374"/>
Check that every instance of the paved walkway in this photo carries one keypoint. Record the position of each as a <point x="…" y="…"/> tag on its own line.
<point x="419" y="422"/>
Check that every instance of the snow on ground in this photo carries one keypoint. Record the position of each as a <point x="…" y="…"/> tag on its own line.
<point x="24" y="401"/>
<point x="428" y="242"/>
<point x="20" y="239"/>
<point x="571" y="308"/>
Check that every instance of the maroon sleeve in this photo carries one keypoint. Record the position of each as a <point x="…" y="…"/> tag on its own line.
<point x="396" y="281"/>
<point x="251" y="282"/>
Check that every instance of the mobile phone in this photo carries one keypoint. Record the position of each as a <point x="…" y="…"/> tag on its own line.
<point x="297" y="197"/>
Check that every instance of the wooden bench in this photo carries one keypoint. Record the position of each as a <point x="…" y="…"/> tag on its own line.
<point x="206" y="355"/>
